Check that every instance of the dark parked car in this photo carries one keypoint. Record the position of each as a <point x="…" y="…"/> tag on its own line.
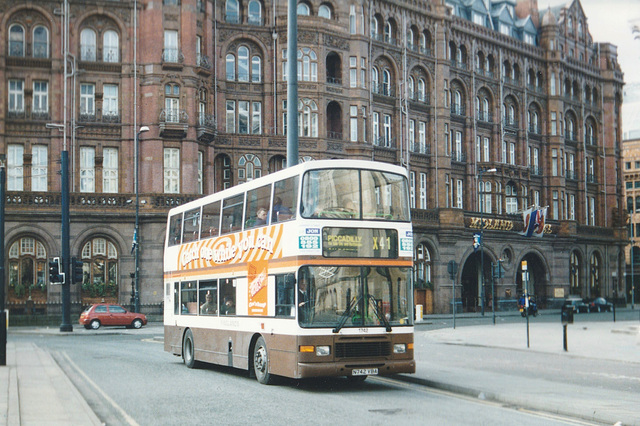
<point x="109" y="314"/>
<point x="600" y="304"/>
<point x="577" y="305"/>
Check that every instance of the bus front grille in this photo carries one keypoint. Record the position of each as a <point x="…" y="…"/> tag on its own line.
<point x="362" y="349"/>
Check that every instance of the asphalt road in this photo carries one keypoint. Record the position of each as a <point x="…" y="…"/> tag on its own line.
<point x="127" y="378"/>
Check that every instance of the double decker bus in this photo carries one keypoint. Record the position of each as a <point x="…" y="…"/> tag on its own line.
<point x="305" y="272"/>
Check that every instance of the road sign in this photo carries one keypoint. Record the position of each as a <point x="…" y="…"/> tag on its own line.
<point x="452" y="268"/>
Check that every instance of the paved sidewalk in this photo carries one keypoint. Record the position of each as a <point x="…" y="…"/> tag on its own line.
<point x="616" y="342"/>
<point x="35" y="391"/>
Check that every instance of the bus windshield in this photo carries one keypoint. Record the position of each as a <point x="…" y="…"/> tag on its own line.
<point x="354" y="296"/>
<point x="354" y="194"/>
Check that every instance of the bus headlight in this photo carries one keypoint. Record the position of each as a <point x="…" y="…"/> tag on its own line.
<point x="399" y="348"/>
<point x="323" y="350"/>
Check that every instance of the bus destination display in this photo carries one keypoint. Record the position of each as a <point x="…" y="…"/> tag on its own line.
<point x="359" y="242"/>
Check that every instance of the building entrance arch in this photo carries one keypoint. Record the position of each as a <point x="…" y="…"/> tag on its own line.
<point x="537" y="284"/>
<point x="471" y="297"/>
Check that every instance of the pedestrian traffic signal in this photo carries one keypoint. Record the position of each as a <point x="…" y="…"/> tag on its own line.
<point x="55" y="276"/>
<point x="77" y="273"/>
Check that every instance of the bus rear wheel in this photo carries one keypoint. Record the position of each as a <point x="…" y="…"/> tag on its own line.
<point x="261" y="362"/>
<point x="188" y="351"/>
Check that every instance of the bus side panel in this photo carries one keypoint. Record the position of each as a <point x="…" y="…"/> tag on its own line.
<point x="283" y="355"/>
<point x="173" y="339"/>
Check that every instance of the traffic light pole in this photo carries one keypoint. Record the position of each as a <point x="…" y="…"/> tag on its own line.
<point x="66" y="285"/>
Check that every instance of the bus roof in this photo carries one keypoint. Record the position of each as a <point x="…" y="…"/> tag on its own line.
<point x="298" y="169"/>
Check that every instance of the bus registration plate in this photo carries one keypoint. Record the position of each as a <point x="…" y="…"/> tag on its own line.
<point x="364" y="372"/>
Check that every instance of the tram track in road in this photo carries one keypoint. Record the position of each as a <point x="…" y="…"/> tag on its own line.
<point x="479" y="398"/>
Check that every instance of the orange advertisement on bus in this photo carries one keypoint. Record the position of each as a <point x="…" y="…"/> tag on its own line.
<point x="258" y="295"/>
<point x="242" y="247"/>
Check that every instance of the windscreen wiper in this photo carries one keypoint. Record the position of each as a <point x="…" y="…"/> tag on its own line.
<point x="346" y="313"/>
<point x="379" y="314"/>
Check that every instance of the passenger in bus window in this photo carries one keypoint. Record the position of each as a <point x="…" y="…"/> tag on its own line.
<point x="228" y="307"/>
<point x="261" y="217"/>
<point x="209" y="307"/>
<point x="280" y="211"/>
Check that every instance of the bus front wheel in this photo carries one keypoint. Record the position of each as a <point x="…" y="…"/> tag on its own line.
<point x="261" y="362"/>
<point x="188" y="350"/>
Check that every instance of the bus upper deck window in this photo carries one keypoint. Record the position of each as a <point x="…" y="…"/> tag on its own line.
<point x="175" y="230"/>
<point x="285" y="193"/>
<point x="210" y="220"/>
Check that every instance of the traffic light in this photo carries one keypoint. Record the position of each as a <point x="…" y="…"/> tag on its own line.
<point x="77" y="273"/>
<point x="55" y="276"/>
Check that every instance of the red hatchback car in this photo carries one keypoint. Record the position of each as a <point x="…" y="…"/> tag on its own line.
<point x="108" y="314"/>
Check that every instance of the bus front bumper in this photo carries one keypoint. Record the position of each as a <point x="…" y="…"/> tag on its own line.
<point x="351" y="368"/>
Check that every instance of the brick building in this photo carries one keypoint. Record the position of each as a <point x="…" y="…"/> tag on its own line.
<point x="451" y="89"/>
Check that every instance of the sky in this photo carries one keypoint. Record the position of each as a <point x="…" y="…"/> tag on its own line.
<point x="612" y="21"/>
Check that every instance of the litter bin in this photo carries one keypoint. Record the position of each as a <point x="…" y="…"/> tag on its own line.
<point x="567" y="314"/>
<point x="419" y="312"/>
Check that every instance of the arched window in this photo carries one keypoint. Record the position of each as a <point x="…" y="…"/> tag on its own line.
<point x="457" y="96"/>
<point x="303" y="9"/>
<point x="88" y="45"/>
<point x="232" y="12"/>
<point x="511" y="198"/>
<point x="110" y="47"/>
<point x="534" y="121"/>
<point x="460" y="56"/>
<point x="594" y="276"/>
<point x="249" y="168"/>
<point x="574" y="274"/>
<point x="386" y="82"/>
<point x="256" y="69"/>
<point x="243" y="64"/>
<point x="40" y="42"/>
<point x="410" y="38"/>
<point x="172" y="103"/>
<point x="375" y="80"/>
<point x="255" y="12"/>
<point x="28" y="269"/>
<point x="16" y="40"/>
<point x="484" y="191"/>
<point x="375" y="27"/>
<point x="422" y="90"/>
<point x="100" y="269"/>
<point x="570" y="132"/>
<point x="411" y="88"/>
<point x="324" y="11"/>
<point x="422" y="264"/>
<point x="307" y="65"/>
<point x="388" y="32"/>
<point x="231" y="67"/>
<point x="307" y="118"/>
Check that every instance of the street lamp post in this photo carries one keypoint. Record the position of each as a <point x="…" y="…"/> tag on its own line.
<point x="633" y="286"/>
<point x="482" y="206"/>
<point x="136" y="230"/>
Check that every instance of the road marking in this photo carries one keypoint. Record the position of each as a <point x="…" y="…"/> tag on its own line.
<point x="123" y="413"/>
